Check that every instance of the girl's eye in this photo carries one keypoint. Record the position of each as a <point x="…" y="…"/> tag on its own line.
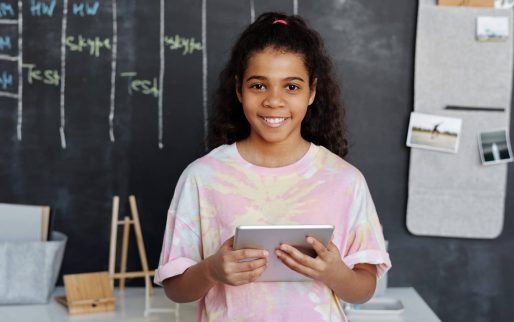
<point x="257" y="86"/>
<point x="292" y="87"/>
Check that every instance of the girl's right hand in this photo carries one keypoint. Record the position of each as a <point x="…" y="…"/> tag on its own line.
<point x="228" y="266"/>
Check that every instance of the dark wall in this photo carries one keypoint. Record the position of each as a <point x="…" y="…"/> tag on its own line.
<point x="372" y="44"/>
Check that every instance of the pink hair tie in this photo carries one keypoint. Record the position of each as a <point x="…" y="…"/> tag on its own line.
<point x="280" y="21"/>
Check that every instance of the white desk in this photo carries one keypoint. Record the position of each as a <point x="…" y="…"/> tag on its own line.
<point x="131" y="305"/>
<point x="416" y="310"/>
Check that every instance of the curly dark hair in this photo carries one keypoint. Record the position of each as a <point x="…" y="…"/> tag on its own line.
<point x="324" y="122"/>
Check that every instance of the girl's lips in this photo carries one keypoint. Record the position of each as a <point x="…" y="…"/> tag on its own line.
<point x="274" y="121"/>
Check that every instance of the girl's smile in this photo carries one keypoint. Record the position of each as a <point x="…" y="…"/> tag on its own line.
<point x="274" y="122"/>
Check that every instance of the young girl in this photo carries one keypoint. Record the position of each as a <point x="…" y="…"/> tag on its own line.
<point x="278" y="141"/>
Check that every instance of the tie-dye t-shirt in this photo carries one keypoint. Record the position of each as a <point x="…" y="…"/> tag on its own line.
<point x="221" y="190"/>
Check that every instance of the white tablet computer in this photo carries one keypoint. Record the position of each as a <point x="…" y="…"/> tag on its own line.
<point x="270" y="238"/>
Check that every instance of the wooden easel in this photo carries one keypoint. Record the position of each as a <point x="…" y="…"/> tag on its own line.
<point x="123" y="274"/>
<point x="126" y="222"/>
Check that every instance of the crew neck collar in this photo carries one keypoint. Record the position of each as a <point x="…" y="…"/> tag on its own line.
<point x="301" y="163"/>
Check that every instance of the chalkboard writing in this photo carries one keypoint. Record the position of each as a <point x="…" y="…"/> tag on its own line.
<point x="141" y="85"/>
<point x="6" y="10"/>
<point x="188" y="45"/>
<point x="6" y="80"/>
<point x="5" y="42"/>
<point x="41" y="8"/>
<point x="91" y="45"/>
<point x="83" y="8"/>
<point x="46" y="76"/>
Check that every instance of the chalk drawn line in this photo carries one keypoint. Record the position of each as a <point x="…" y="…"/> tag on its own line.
<point x="19" y="122"/>
<point x="63" y="73"/>
<point x="204" y="66"/>
<point x="8" y="94"/>
<point x="161" y="73"/>
<point x="113" y="69"/>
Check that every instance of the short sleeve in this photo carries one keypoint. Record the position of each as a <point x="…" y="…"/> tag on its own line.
<point x="182" y="243"/>
<point x="365" y="242"/>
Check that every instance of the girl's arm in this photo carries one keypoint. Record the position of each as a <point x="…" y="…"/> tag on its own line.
<point x="223" y="267"/>
<point x="358" y="287"/>
<point x="352" y="286"/>
<point x="189" y="286"/>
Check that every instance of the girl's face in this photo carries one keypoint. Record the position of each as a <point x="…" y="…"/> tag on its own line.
<point x="275" y="95"/>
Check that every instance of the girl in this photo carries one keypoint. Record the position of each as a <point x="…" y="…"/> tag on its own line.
<point x="278" y="141"/>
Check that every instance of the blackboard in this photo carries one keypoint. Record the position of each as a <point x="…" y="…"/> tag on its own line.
<point x="111" y="98"/>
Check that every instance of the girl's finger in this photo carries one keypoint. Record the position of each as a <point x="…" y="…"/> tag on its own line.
<point x="294" y="265"/>
<point x="298" y="256"/>
<point x="248" y="277"/>
<point x="332" y="247"/>
<point x="318" y="246"/>
<point x="251" y="265"/>
<point x="249" y="254"/>
<point x="255" y="274"/>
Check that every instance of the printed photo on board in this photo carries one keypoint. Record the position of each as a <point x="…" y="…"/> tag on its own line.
<point x="492" y="28"/>
<point x="434" y="132"/>
<point x="494" y="146"/>
<point x="503" y="4"/>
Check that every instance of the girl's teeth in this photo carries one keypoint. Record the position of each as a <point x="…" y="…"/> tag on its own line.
<point x="274" y="120"/>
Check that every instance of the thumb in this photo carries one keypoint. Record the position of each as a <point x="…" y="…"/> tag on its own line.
<point x="228" y="243"/>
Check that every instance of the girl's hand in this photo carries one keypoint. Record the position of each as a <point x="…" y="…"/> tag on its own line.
<point x="325" y="267"/>
<point x="236" y="267"/>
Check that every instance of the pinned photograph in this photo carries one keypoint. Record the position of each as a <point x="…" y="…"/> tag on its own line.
<point x="494" y="146"/>
<point x="503" y="4"/>
<point x="434" y="132"/>
<point x="492" y="28"/>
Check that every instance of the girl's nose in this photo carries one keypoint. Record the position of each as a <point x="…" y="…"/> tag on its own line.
<point x="274" y="99"/>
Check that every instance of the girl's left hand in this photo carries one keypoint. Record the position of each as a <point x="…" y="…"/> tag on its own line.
<point x="325" y="267"/>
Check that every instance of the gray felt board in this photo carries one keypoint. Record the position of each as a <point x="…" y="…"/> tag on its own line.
<point x="454" y="195"/>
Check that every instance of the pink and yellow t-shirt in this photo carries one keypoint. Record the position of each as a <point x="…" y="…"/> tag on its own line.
<point x="221" y="190"/>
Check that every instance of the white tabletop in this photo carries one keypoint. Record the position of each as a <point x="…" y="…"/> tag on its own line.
<point x="130" y="306"/>
<point x="415" y="308"/>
